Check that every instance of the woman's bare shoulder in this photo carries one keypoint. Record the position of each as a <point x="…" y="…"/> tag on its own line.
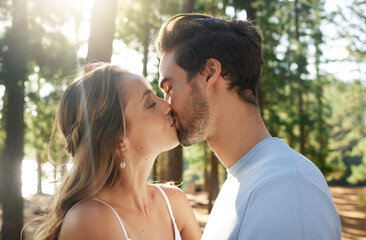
<point x="178" y="200"/>
<point x="91" y="219"/>
<point x="174" y="193"/>
<point x="183" y="213"/>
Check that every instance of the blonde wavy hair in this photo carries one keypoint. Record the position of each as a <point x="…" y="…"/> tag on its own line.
<point x="91" y="119"/>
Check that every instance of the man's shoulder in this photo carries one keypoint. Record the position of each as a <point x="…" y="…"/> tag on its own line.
<point x="273" y="159"/>
<point x="290" y="204"/>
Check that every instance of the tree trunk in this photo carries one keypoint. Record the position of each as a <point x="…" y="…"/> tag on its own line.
<point x="175" y="168"/>
<point x="321" y="126"/>
<point x="163" y="166"/>
<point x="102" y="31"/>
<point x="1" y="180"/>
<point x="302" y="124"/>
<point x="15" y="59"/>
<point x="214" y="182"/>
<point x="39" y="174"/>
<point x="224" y="174"/>
<point x="63" y="170"/>
<point x="206" y="151"/>
<point x="3" y="127"/>
<point x="300" y="97"/>
<point x="251" y="15"/>
<point x="145" y="59"/>
<point x="251" y="12"/>
<point x="77" y="24"/>
<point x="154" y="173"/>
<point x="13" y="155"/>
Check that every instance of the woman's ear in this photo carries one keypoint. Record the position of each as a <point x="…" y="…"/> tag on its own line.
<point x="121" y="145"/>
<point x="213" y="71"/>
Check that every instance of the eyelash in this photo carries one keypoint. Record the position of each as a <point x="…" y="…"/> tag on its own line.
<point x="152" y="105"/>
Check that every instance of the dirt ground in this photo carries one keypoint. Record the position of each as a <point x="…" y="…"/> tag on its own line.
<point x="346" y="199"/>
<point x="353" y="215"/>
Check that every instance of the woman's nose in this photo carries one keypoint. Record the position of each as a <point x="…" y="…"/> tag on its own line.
<point x="167" y="98"/>
<point x="167" y="109"/>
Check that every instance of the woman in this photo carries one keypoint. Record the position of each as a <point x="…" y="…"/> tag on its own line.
<point x="115" y="127"/>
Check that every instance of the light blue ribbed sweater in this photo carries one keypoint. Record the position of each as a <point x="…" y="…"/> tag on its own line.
<point x="273" y="192"/>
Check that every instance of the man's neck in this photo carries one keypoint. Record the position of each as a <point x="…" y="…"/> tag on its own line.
<point x="235" y="131"/>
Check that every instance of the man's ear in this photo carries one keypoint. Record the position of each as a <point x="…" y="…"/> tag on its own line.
<point x="213" y="71"/>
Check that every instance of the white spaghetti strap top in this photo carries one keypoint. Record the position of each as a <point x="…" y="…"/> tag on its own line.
<point x="96" y="199"/>
<point x="119" y="219"/>
<point x="176" y="231"/>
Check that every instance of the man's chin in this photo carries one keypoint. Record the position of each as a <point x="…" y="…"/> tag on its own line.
<point x="184" y="144"/>
<point x="187" y="141"/>
<point x="183" y="141"/>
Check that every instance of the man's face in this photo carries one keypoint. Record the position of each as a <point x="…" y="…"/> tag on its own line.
<point x="190" y="109"/>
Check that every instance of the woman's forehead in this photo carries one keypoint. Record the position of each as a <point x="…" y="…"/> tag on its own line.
<point x="134" y="87"/>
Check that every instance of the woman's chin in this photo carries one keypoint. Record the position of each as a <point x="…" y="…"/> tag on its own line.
<point x="174" y="143"/>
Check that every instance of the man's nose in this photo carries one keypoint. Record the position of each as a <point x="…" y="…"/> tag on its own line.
<point x="167" y="98"/>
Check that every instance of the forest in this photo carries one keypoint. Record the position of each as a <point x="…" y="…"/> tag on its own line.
<point x="312" y="92"/>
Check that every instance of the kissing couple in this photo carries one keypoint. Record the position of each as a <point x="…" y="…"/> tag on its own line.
<point x="114" y="127"/>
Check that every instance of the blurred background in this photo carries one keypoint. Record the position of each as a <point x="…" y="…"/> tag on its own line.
<point x="312" y="92"/>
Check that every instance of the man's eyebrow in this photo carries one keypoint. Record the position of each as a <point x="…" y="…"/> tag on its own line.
<point x="162" y="81"/>
<point x="147" y="92"/>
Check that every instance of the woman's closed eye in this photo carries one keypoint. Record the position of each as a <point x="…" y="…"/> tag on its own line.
<point x="152" y="104"/>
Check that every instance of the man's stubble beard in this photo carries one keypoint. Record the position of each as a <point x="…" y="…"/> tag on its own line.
<point x="193" y="131"/>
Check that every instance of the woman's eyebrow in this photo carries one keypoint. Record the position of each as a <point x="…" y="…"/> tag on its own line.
<point x="147" y="92"/>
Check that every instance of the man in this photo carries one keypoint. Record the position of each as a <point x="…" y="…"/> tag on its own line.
<point x="209" y="70"/>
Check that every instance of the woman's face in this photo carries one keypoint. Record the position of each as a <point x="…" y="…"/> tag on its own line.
<point x="149" y="125"/>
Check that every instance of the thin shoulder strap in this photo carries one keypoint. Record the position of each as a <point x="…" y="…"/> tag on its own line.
<point x="167" y="202"/>
<point x="119" y="219"/>
<point x="176" y="230"/>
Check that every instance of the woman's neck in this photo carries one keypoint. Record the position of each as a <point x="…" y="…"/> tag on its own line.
<point x="132" y="190"/>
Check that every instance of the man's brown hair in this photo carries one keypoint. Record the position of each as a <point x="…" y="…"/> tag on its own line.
<point x="235" y="43"/>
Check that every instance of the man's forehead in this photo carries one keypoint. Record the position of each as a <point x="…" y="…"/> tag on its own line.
<point x="167" y="62"/>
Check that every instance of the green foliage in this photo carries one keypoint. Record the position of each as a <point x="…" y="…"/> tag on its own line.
<point x="363" y="199"/>
<point x="309" y="109"/>
<point x="57" y="151"/>
<point x="211" y="7"/>
<point x="347" y="142"/>
<point x="292" y="100"/>
<point x="193" y="163"/>
<point x="139" y="21"/>
<point x="51" y="57"/>
<point x="351" y="22"/>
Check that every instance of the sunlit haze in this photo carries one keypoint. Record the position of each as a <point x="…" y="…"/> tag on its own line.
<point x="333" y="49"/>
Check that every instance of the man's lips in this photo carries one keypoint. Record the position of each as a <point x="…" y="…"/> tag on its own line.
<point x="173" y="123"/>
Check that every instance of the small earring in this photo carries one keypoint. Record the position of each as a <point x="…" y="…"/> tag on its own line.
<point x="122" y="165"/>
